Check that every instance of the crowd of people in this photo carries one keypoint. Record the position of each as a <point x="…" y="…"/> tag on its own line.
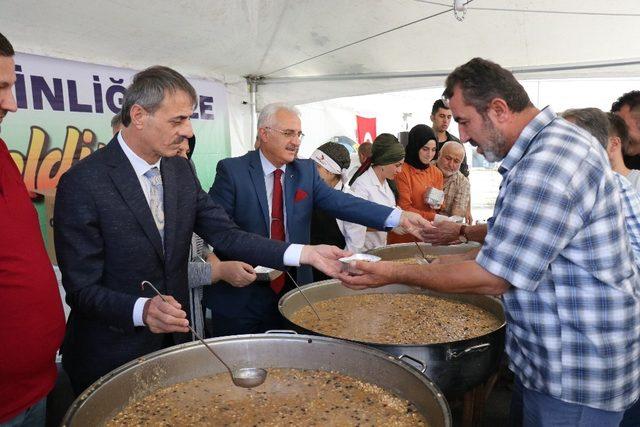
<point x="561" y="249"/>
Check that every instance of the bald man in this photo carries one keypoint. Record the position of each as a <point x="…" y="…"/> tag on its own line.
<point x="457" y="192"/>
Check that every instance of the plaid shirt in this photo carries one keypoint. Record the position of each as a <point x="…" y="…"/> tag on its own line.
<point x="557" y="236"/>
<point x="631" y="210"/>
<point x="457" y="194"/>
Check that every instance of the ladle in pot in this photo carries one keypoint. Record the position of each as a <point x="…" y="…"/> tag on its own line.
<point x="421" y="252"/>
<point x="305" y="297"/>
<point x="242" y="377"/>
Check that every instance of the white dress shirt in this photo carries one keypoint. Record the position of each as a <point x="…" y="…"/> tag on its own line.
<point x="368" y="187"/>
<point x="140" y="166"/>
<point x="294" y="251"/>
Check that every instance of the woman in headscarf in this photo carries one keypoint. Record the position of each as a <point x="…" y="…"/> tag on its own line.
<point x="332" y="161"/>
<point x="418" y="177"/>
<point x="387" y="157"/>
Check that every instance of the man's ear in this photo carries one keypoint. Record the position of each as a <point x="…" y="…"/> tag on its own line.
<point x="138" y="116"/>
<point x="615" y="144"/>
<point x="499" y="109"/>
<point x="262" y="134"/>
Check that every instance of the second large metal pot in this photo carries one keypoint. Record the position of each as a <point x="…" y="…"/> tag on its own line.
<point x="136" y="379"/>
<point x="455" y="367"/>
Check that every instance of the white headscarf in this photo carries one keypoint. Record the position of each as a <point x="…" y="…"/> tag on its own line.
<point x="329" y="164"/>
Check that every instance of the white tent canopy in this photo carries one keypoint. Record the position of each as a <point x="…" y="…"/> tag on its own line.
<point x="228" y="40"/>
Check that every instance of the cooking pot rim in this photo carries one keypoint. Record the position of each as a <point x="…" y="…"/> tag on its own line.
<point x="275" y="335"/>
<point x="286" y="297"/>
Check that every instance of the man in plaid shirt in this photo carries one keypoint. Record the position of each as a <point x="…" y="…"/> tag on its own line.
<point x="556" y="250"/>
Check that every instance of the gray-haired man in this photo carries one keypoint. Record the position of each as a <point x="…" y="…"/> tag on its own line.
<point x="126" y="214"/>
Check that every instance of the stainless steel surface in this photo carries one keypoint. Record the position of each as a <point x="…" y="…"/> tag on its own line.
<point x="110" y="394"/>
<point x="244" y="377"/>
<point x="455" y="366"/>
<point x="302" y="293"/>
<point x="407" y="250"/>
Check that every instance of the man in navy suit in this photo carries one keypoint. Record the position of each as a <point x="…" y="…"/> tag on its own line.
<point x="126" y="214"/>
<point x="244" y="186"/>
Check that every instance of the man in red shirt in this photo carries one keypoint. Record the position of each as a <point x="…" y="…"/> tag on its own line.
<point x="32" y="318"/>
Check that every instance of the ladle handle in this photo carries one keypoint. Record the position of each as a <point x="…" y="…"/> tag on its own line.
<point x="420" y="249"/>
<point x="305" y="297"/>
<point x="146" y="282"/>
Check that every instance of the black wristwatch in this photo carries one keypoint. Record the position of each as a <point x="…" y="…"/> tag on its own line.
<point x="463" y="234"/>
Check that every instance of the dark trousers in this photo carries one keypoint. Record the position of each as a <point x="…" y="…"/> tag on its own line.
<point x="631" y="417"/>
<point x="530" y="408"/>
<point x="249" y="310"/>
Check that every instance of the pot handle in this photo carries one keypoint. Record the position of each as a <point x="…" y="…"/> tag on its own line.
<point x="454" y="354"/>
<point x="281" y="331"/>
<point x="423" y="366"/>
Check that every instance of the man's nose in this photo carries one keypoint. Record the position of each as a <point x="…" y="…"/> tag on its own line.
<point x="187" y="132"/>
<point x="8" y="102"/>
<point x="464" y="137"/>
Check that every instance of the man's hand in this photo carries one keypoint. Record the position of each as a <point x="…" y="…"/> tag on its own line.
<point x="374" y="274"/>
<point x="324" y="258"/>
<point x="238" y="274"/>
<point x="441" y="233"/>
<point x="411" y="222"/>
<point x="162" y="317"/>
<point x="468" y="217"/>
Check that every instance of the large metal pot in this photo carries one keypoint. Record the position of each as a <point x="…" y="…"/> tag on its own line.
<point x="408" y="250"/>
<point x="455" y="367"/>
<point x="110" y="394"/>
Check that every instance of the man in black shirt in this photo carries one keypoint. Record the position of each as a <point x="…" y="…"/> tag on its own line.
<point x="628" y="107"/>
<point x="440" y="120"/>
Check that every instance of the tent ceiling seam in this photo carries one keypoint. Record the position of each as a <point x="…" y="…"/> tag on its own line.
<point x="504" y="9"/>
<point x="362" y="40"/>
<point x="418" y="74"/>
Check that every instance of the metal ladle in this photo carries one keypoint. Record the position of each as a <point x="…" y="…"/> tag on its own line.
<point x="242" y="377"/>
<point x="421" y="252"/>
<point x="305" y="297"/>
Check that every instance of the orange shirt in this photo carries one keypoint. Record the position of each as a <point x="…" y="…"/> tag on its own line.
<point x="412" y="184"/>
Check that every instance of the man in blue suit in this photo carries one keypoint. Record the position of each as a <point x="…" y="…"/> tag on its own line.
<point x="126" y="214"/>
<point x="244" y="187"/>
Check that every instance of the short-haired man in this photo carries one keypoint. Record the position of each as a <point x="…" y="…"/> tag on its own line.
<point x="556" y="251"/>
<point x="32" y="316"/>
<point x="116" y="124"/>
<point x="126" y="214"/>
<point x="618" y="145"/>
<point x="440" y="121"/>
<point x="457" y="192"/>
<point x="273" y="193"/>
<point x="628" y="107"/>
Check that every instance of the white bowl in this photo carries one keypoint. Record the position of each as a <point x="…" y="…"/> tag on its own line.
<point x="266" y="274"/>
<point x="346" y="262"/>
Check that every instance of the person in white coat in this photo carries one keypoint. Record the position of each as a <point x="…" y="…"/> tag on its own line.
<point x="386" y="161"/>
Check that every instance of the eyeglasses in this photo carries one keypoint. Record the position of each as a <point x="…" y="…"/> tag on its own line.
<point x="289" y="133"/>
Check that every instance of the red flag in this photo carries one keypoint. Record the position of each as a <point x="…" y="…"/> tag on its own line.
<point x="366" y="129"/>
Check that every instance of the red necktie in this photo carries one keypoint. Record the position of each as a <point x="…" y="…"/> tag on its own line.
<point x="277" y="222"/>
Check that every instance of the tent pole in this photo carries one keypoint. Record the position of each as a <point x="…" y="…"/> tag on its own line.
<point x="252" y="81"/>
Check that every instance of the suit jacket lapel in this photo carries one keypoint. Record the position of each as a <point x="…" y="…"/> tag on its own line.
<point x="127" y="183"/>
<point x="257" y="177"/>
<point x="290" y="184"/>
<point x="170" y="192"/>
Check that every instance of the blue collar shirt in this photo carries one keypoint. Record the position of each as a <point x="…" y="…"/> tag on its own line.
<point x="558" y="237"/>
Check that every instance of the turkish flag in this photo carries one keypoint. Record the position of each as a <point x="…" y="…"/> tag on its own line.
<point x="366" y="129"/>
